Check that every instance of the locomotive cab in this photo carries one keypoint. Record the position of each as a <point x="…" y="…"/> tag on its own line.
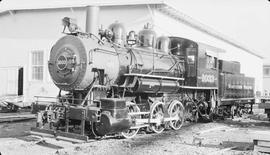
<point x="186" y="50"/>
<point x="207" y="72"/>
<point x="201" y="63"/>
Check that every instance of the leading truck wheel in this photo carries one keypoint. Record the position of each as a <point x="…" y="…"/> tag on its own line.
<point x="100" y="129"/>
<point x="94" y="127"/>
<point x="130" y="133"/>
<point x="176" y="109"/>
<point x="157" y="114"/>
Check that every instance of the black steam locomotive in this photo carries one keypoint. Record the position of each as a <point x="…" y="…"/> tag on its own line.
<point x="115" y="83"/>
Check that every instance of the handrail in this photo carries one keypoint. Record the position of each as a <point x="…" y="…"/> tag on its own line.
<point x="154" y="76"/>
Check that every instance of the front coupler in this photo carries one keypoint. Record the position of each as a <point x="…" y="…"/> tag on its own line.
<point x="66" y="122"/>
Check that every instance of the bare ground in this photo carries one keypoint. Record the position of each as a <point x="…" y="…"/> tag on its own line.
<point x="223" y="137"/>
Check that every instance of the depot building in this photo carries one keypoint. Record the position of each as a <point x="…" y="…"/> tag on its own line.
<point x="28" y="31"/>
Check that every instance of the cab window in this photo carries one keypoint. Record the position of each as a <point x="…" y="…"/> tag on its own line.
<point x="191" y="59"/>
<point x="211" y="62"/>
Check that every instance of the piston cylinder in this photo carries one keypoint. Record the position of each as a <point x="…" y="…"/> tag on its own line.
<point x="114" y="117"/>
<point x="109" y="124"/>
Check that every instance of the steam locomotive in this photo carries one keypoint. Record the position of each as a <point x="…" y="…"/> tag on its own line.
<point x="117" y="83"/>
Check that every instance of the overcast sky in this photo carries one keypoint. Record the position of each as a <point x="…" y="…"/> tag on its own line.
<point x="247" y="21"/>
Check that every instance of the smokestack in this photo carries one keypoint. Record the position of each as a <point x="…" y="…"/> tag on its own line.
<point x="92" y="16"/>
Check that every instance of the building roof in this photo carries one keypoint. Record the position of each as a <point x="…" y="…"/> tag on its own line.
<point x="10" y="5"/>
<point x="160" y="5"/>
<point x="183" y="18"/>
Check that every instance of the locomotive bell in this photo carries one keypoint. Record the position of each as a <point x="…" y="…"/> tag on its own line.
<point x="131" y="38"/>
<point x="119" y="33"/>
<point x="163" y="44"/>
<point x="147" y="37"/>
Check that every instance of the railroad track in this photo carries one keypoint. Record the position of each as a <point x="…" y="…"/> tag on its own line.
<point x="16" y="117"/>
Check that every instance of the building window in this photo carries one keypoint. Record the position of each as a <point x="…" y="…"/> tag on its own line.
<point x="266" y="71"/>
<point x="37" y="65"/>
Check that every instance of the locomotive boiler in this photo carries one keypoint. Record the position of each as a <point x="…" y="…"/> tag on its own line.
<point x="112" y="83"/>
<point x="76" y="61"/>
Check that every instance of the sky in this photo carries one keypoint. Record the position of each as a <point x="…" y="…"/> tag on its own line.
<point x="247" y="21"/>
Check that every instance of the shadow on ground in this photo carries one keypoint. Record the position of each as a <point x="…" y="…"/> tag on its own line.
<point x="246" y="124"/>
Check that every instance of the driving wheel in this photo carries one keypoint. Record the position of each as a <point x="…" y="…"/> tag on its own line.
<point x="176" y="109"/>
<point x="157" y="113"/>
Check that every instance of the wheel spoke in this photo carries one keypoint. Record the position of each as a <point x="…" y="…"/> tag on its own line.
<point x="157" y="113"/>
<point x="176" y="110"/>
